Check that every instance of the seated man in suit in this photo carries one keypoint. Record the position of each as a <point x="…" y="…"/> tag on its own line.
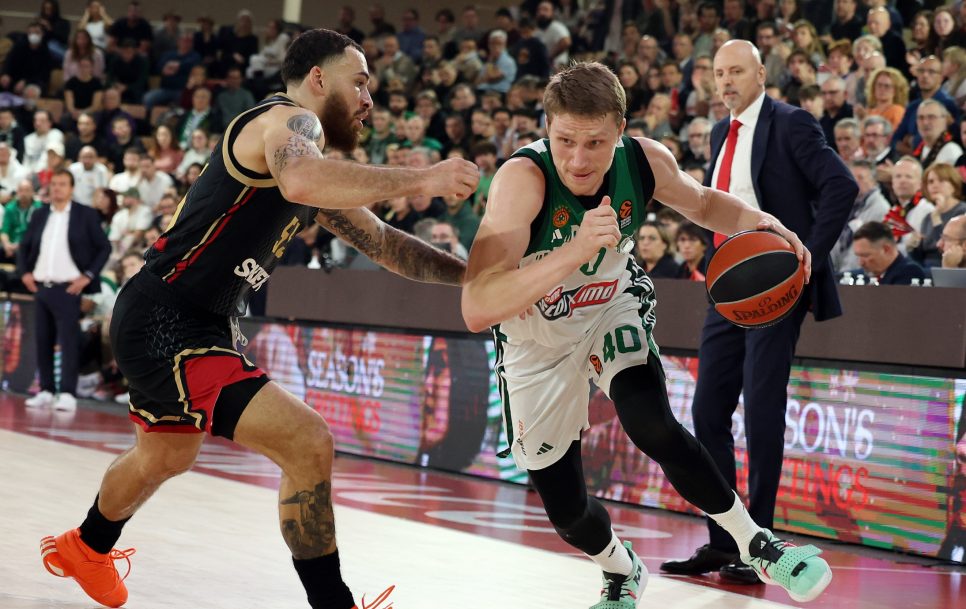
<point x="879" y="256"/>
<point x="60" y="256"/>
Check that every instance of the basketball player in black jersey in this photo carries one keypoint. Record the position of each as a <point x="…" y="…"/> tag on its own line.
<point x="174" y="329"/>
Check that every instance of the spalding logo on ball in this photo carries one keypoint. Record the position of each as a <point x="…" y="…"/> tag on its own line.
<point x="755" y="279"/>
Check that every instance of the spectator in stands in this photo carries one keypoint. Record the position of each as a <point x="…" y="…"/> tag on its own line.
<point x="394" y="64"/>
<point x="377" y="19"/>
<point x="938" y="144"/>
<point x="876" y="253"/>
<point x="347" y="17"/>
<point x="57" y="265"/>
<point x="699" y="143"/>
<point x="36" y="144"/>
<point x="481" y="127"/>
<point x="127" y="71"/>
<point x="11" y="172"/>
<point x="105" y="202"/>
<point x="446" y="237"/>
<point x="943" y="185"/>
<point x="529" y="53"/>
<point x="709" y="18"/>
<point x="56" y="29"/>
<point x="484" y="155"/>
<point x="836" y="108"/>
<point x="929" y="82"/>
<point x="654" y="253"/>
<point x="952" y="242"/>
<point x="499" y="71"/>
<point x="734" y="20"/>
<point x="381" y="136"/>
<point x="456" y="136"/>
<point x="236" y="44"/>
<point x="658" y="116"/>
<point x="165" y="151"/>
<point x="803" y="73"/>
<point x="82" y="93"/>
<point x="133" y="26"/>
<point x="868" y="56"/>
<point x="848" y="24"/>
<point x="505" y="21"/>
<point x="174" y="67"/>
<point x="806" y="38"/>
<point x="692" y="242"/>
<point x="944" y="24"/>
<point x="411" y="36"/>
<point x="96" y="22"/>
<point x="233" y="99"/>
<point x="82" y="47"/>
<point x="887" y="93"/>
<point x="153" y="183"/>
<point x="130" y="222"/>
<point x="201" y="116"/>
<point x="431" y="58"/>
<point x="164" y="211"/>
<point x="16" y="218"/>
<point x="415" y="130"/>
<point x="771" y="49"/>
<point x="910" y="208"/>
<point x="85" y="135"/>
<point x="467" y="62"/>
<point x="124" y="141"/>
<point x="130" y="174"/>
<point x="839" y="62"/>
<point x="89" y="176"/>
<point x="427" y="107"/>
<point x="553" y="34"/>
<point x="847" y="137"/>
<point x="954" y="71"/>
<point x="879" y="23"/>
<point x="399" y="215"/>
<point x="197" y="154"/>
<point x="10" y="132"/>
<point x="810" y="99"/>
<point x="634" y="91"/>
<point x="870" y="206"/>
<point x="166" y="37"/>
<point x="29" y="62"/>
<point x="923" y="38"/>
<point x="876" y="148"/>
<point x="56" y="160"/>
<point x="267" y="63"/>
<point x="205" y="41"/>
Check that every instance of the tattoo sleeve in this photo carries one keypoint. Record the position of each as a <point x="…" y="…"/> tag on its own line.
<point x="306" y="131"/>
<point x="420" y="261"/>
<point x="357" y="237"/>
<point x="312" y="533"/>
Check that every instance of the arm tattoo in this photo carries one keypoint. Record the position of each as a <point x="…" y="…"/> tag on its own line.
<point x="355" y="236"/>
<point x="296" y="146"/>
<point x="313" y="532"/>
<point x="306" y="126"/>
<point x="420" y="261"/>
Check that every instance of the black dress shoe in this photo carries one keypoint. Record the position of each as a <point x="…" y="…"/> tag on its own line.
<point x="738" y="572"/>
<point x="705" y="560"/>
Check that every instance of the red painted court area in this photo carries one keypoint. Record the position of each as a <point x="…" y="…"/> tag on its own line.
<point x="864" y="578"/>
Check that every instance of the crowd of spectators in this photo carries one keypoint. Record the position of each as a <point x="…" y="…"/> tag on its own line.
<point x="133" y="109"/>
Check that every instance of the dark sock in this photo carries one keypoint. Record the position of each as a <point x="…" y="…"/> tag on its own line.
<point x="98" y="532"/>
<point x="323" y="583"/>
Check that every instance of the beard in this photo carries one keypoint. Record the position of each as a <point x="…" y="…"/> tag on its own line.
<point x="339" y="125"/>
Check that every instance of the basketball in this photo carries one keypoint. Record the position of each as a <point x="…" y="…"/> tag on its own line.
<point x="755" y="279"/>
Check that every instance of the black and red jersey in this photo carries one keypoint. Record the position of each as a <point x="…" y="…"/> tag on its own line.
<point x="229" y="231"/>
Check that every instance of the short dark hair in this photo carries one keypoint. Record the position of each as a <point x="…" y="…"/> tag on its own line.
<point x="446" y="14"/>
<point x="483" y="148"/>
<point x="313" y="48"/>
<point x="809" y="92"/>
<point x="63" y="172"/>
<point x="875" y="232"/>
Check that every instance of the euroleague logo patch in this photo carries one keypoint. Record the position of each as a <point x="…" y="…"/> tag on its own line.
<point x="560" y="217"/>
<point x="595" y="362"/>
<point x="625" y="213"/>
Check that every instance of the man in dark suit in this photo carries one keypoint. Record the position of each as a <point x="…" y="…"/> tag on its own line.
<point x="60" y="256"/>
<point x="808" y="188"/>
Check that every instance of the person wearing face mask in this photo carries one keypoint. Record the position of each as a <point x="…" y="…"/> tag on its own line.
<point x="29" y="62"/>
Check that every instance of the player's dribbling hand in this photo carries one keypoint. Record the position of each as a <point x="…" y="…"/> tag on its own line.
<point x="598" y="229"/>
<point x="457" y="177"/>
<point x="800" y="250"/>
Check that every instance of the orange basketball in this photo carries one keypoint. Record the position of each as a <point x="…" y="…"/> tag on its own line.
<point x="755" y="279"/>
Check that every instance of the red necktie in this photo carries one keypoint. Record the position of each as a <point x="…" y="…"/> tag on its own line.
<point x="724" y="174"/>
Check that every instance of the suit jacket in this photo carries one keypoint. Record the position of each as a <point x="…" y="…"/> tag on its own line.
<point x="89" y="247"/>
<point x="804" y="184"/>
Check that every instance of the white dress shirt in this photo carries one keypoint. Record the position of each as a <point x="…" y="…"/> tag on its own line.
<point x="86" y="181"/>
<point x="152" y="190"/>
<point x="124" y="181"/>
<point x="741" y="184"/>
<point x="54" y="262"/>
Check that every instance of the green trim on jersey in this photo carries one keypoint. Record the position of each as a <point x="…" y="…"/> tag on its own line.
<point x="563" y="212"/>
<point x="500" y="339"/>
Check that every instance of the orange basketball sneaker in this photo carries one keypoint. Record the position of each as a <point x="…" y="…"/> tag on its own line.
<point x="68" y="556"/>
<point x="377" y="604"/>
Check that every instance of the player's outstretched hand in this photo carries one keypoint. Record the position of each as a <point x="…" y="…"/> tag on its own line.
<point x="800" y="250"/>
<point x="598" y="229"/>
<point x="451" y="177"/>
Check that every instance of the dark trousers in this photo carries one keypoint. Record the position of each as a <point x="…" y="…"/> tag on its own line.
<point x="760" y="361"/>
<point x="58" y="322"/>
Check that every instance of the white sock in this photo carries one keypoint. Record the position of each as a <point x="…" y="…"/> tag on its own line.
<point x="738" y="522"/>
<point x="615" y="558"/>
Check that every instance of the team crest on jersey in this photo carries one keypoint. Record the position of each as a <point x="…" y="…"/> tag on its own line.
<point x="625" y="214"/>
<point x="559" y="304"/>
<point x="596" y="363"/>
<point x="560" y="217"/>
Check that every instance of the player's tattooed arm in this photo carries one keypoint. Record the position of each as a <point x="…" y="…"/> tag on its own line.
<point x="305" y="132"/>
<point x="391" y="248"/>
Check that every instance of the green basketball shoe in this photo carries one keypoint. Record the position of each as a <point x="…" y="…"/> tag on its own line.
<point x="623" y="591"/>
<point x="797" y="569"/>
